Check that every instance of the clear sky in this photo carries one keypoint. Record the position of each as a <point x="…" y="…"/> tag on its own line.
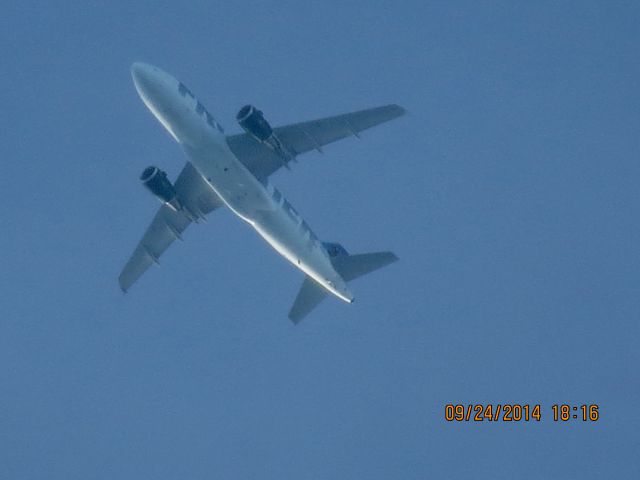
<point x="509" y="192"/>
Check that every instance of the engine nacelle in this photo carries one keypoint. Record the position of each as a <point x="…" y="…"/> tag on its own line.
<point x="157" y="182"/>
<point x="254" y="123"/>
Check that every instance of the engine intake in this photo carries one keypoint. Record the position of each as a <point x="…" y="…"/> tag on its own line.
<point x="157" y="183"/>
<point x="253" y="122"/>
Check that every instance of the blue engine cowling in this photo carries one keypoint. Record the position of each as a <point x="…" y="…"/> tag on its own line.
<point x="253" y="122"/>
<point x="157" y="182"/>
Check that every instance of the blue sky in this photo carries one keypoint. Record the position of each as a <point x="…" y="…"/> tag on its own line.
<point x="509" y="192"/>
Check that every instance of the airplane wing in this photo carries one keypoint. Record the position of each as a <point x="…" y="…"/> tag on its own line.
<point x="306" y="136"/>
<point x="197" y="198"/>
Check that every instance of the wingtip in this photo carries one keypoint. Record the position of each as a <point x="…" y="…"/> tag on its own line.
<point x="399" y="109"/>
<point x="391" y="257"/>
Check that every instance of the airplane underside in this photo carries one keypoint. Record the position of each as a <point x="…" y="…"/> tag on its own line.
<point x="233" y="171"/>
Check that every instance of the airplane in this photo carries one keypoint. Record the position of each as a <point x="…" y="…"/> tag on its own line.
<point x="233" y="171"/>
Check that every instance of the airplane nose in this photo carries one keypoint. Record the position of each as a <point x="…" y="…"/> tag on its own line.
<point x="150" y="82"/>
<point x="141" y="73"/>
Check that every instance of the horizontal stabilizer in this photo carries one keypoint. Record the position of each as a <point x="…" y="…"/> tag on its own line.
<point x="309" y="296"/>
<point x="349" y="267"/>
<point x="353" y="266"/>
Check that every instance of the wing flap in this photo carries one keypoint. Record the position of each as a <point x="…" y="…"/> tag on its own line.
<point x="166" y="226"/>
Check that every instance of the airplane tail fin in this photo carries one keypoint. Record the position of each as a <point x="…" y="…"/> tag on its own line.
<point x="348" y="266"/>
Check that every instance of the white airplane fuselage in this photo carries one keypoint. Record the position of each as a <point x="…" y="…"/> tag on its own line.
<point x="256" y="202"/>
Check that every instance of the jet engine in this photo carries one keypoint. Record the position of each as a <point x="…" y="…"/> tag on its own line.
<point x="253" y="122"/>
<point x="157" y="182"/>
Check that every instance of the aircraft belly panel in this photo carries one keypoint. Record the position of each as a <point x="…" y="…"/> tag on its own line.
<point x="274" y="219"/>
